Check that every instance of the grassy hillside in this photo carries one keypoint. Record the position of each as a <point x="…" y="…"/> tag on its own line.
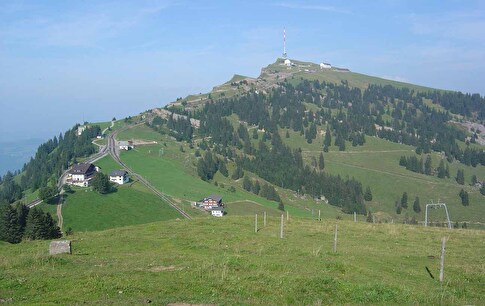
<point x="312" y="71"/>
<point x="174" y="173"/>
<point x="133" y="203"/>
<point x="376" y="164"/>
<point x="222" y="261"/>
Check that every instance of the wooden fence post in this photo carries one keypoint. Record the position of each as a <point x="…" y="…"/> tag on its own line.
<point x="355" y="217"/>
<point x="442" y="263"/>
<point x="319" y="215"/>
<point x="256" y="223"/>
<point x="281" y="227"/>
<point x="335" y="239"/>
<point x="264" y="219"/>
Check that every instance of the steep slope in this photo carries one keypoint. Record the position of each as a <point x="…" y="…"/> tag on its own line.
<point x="372" y="125"/>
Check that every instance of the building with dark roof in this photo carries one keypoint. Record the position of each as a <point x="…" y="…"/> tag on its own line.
<point x="81" y="174"/>
<point x="119" y="177"/>
<point x="214" y="200"/>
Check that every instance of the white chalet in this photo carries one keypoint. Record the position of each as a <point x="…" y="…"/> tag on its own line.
<point x="119" y="177"/>
<point x="81" y="174"/>
<point x="217" y="211"/>
<point x="212" y="201"/>
<point x="126" y="145"/>
<point x="325" y="66"/>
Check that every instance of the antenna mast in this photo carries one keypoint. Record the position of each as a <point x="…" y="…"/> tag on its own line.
<point x="284" y="44"/>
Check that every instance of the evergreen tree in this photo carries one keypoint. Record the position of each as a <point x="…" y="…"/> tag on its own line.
<point x="474" y="180"/>
<point x="404" y="200"/>
<point x="10" y="230"/>
<point x="287" y="135"/>
<point x="416" y="205"/>
<point x="51" y="229"/>
<point x="369" y="219"/>
<point x="45" y="193"/>
<point x="321" y="162"/>
<point x="40" y="225"/>
<point x="101" y="183"/>
<point x="222" y="168"/>
<point x="247" y="185"/>
<point x="464" y="198"/>
<point x="34" y="228"/>
<point x="368" y="194"/>
<point x="281" y="206"/>
<point x="256" y="188"/>
<point x="238" y="173"/>
<point x="428" y="165"/>
<point x="441" y="169"/>
<point x="460" y="177"/>
<point x="327" y="141"/>
<point x="22" y="213"/>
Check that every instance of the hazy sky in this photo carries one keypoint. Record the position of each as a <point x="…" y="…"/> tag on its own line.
<point x="62" y="61"/>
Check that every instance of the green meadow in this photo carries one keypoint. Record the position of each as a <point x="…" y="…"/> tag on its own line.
<point x="223" y="261"/>
<point x="376" y="164"/>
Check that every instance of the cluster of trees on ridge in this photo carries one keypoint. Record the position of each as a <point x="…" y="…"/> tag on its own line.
<point x="347" y="114"/>
<point x="397" y="114"/>
<point x="51" y="159"/>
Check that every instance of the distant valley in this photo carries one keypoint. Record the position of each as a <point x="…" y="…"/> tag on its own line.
<point x="14" y="154"/>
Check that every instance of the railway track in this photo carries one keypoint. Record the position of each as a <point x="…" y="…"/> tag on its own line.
<point x="111" y="147"/>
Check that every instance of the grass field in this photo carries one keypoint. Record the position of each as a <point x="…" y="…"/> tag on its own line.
<point x="376" y="164"/>
<point x="222" y="261"/>
<point x="133" y="203"/>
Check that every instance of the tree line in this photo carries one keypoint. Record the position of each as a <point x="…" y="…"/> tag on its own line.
<point x="51" y="159"/>
<point x="19" y="222"/>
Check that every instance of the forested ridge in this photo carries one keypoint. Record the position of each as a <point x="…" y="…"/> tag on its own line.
<point x="51" y="159"/>
<point x="347" y="115"/>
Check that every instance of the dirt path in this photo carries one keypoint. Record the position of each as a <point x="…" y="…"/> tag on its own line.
<point x="60" y="220"/>
<point x="356" y="152"/>
<point x="104" y="131"/>
<point x="394" y="174"/>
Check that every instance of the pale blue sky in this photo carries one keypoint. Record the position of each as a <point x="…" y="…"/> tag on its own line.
<point x="62" y="61"/>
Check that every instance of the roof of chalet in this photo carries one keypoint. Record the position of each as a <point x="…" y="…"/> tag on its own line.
<point x="215" y="197"/>
<point x="82" y="168"/>
<point x="118" y="173"/>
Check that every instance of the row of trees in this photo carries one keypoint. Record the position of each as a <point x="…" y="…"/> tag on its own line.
<point x="266" y="190"/>
<point x="403" y="203"/>
<point x="20" y="222"/>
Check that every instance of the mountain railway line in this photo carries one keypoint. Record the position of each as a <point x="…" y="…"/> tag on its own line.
<point x="111" y="148"/>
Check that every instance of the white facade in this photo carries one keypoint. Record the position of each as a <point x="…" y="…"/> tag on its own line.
<point x="125" y="145"/>
<point x="287" y="62"/>
<point x="325" y="66"/>
<point x="217" y="213"/>
<point x="119" y="177"/>
<point x="79" y="180"/>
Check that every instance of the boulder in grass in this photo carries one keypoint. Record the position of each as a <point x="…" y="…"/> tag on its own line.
<point x="60" y="247"/>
